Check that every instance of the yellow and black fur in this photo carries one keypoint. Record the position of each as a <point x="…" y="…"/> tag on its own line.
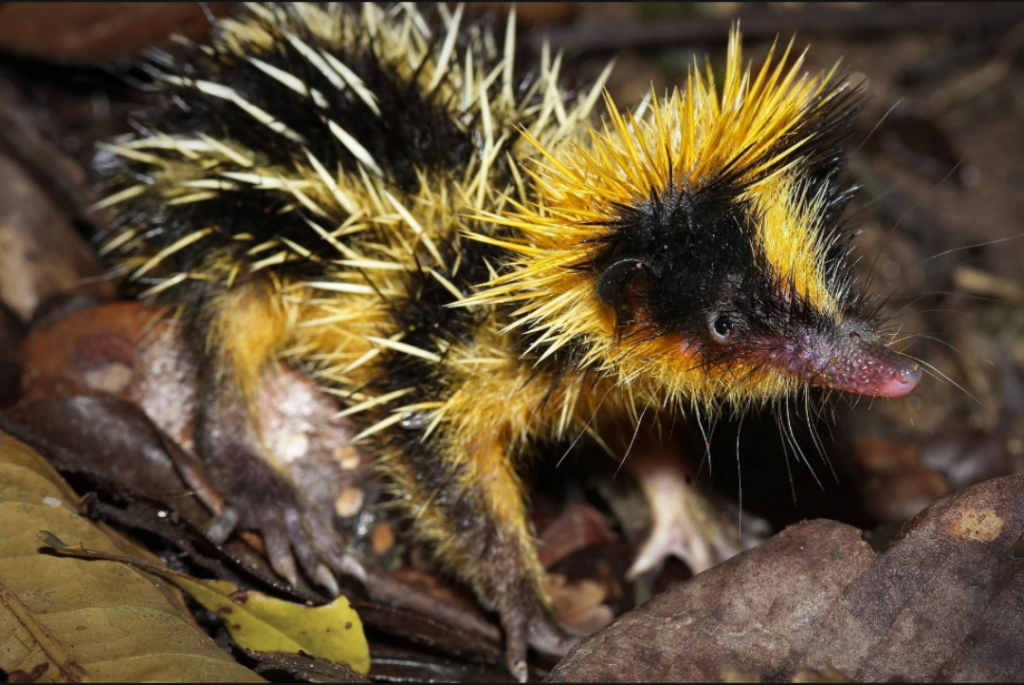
<point x="438" y="238"/>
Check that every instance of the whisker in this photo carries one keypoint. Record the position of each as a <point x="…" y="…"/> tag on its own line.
<point x="929" y="311"/>
<point x="940" y="341"/>
<point x="707" y="447"/>
<point x="881" y="196"/>
<point x="948" y="267"/>
<point x="785" y="452"/>
<point x="585" y="427"/>
<point x="799" y="450"/>
<point x="630" y="448"/>
<point x="739" y="478"/>
<point x="930" y="193"/>
<point x="880" y="122"/>
<point x="943" y="376"/>
<point x="957" y="293"/>
<point x="815" y="438"/>
<point x="832" y="412"/>
<point x="973" y="247"/>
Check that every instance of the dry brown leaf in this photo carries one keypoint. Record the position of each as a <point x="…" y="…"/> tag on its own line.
<point x="579" y="605"/>
<point x="65" y="619"/>
<point x="41" y="254"/>
<point x="942" y="604"/>
<point x="579" y="526"/>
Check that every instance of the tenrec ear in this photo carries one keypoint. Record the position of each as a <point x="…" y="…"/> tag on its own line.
<point x="614" y="287"/>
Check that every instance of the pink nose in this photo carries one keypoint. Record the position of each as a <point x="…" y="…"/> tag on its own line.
<point x="899" y="384"/>
<point x="855" y="362"/>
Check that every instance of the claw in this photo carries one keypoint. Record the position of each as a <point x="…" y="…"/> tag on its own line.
<point x="519" y="670"/>
<point x="542" y="633"/>
<point x="280" y="557"/>
<point x="516" y="645"/>
<point x="220" y="528"/>
<point x="350" y="566"/>
<point x="325" y="579"/>
<point x="529" y="624"/>
<point x="550" y="638"/>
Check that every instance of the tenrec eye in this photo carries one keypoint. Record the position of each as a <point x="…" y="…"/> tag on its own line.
<point x="721" y="327"/>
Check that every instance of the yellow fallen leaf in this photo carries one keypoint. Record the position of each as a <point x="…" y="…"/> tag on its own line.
<point x="256" y="621"/>
<point x="70" y="620"/>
